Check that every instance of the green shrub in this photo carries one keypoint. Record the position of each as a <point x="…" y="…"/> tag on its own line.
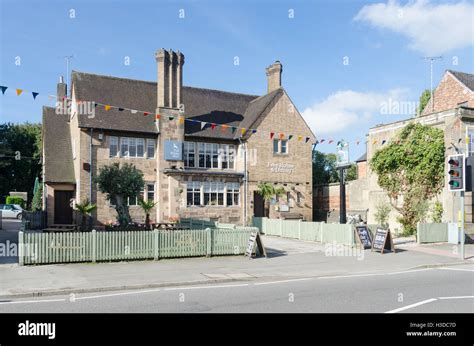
<point x="16" y="200"/>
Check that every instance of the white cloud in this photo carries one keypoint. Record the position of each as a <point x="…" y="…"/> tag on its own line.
<point x="432" y="29"/>
<point x="347" y="108"/>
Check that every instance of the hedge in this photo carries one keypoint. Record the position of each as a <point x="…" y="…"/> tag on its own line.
<point x="16" y="200"/>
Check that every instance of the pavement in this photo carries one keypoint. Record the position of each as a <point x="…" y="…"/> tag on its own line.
<point x="287" y="259"/>
<point x="429" y="290"/>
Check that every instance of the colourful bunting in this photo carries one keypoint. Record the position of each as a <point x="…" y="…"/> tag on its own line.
<point x="243" y="131"/>
<point x="300" y="138"/>
<point x="181" y="120"/>
<point x="34" y="95"/>
<point x="133" y="111"/>
<point x="330" y="141"/>
<point x="203" y="124"/>
<point x="224" y="128"/>
<point x="321" y="141"/>
<point x="254" y="131"/>
<point x="272" y="134"/>
<point x="107" y="107"/>
<point x="19" y="91"/>
<point x="213" y="126"/>
<point x="234" y="129"/>
<point x="282" y="135"/>
<point x="307" y="139"/>
<point x="171" y="118"/>
<point x="4" y="88"/>
<point x="357" y="142"/>
<point x="374" y="142"/>
<point x="145" y="114"/>
<point x="290" y="137"/>
<point x="121" y="110"/>
<point x="158" y="116"/>
<point x="384" y="141"/>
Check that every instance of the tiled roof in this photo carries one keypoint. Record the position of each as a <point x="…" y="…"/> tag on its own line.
<point x="207" y="105"/>
<point x="465" y="78"/>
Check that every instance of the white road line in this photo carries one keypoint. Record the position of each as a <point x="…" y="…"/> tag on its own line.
<point x="373" y="274"/>
<point x="34" y="301"/>
<point x="411" y="306"/>
<point x="199" y="287"/>
<point x="459" y="297"/>
<point x="281" y="281"/>
<point x="457" y="269"/>
<point x="117" y="294"/>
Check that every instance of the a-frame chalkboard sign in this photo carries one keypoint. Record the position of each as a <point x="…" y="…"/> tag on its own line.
<point x="363" y="236"/>
<point x="383" y="241"/>
<point x="255" y="243"/>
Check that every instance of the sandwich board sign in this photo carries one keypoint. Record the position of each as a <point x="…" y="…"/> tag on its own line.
<point x="255" y="243"/>
<point x="383" y="241"/>
<point x="363" y="236"/>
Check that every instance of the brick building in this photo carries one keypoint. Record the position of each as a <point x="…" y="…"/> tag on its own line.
<point x="196" y="160"/>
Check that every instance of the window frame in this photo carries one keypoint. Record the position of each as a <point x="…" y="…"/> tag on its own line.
<point x="117" y="152"/>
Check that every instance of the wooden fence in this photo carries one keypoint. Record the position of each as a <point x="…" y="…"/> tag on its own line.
<point x="43" y="248"/>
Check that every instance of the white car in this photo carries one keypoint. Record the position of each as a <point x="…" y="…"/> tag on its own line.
<point x="11" y="211"/>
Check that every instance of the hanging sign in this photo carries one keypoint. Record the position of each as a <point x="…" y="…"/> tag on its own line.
<point x="173" y="150"/>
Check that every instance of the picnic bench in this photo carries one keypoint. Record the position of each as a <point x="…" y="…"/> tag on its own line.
<point x="60" y="228"/>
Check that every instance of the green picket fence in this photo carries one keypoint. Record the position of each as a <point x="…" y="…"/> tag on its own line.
<point x="44" y="248"/>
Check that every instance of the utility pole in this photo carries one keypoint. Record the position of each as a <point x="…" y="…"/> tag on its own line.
<point x="432" y="59"/>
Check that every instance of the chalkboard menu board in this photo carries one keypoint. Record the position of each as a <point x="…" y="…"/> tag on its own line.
<point x="383" y="241"/>
<point x="363" y="236"/>
<point x="255" y="239"/>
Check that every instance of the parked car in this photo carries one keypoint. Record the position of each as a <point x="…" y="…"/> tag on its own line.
<point x="11" y="211"/>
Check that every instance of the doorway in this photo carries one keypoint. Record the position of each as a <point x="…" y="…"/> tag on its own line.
<point x="258" y="205"/>
<point x="62" y="207"/>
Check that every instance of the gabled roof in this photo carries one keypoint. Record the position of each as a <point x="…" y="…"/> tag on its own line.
<point x="207" y="105"/>
<point x="362" y="158"/>
<point x="465" y="78"/>
<point x="57" y="148"/>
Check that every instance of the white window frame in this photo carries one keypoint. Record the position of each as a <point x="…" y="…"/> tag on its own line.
<point x="189" y="148"/>
<point x="116" y="140"/>
<point x="279" y="145"/>
<point x="152" y="141"/>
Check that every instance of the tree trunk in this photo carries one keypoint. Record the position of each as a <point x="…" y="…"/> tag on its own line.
<point x="147" y="220"/>
<point x="122" y="210"/>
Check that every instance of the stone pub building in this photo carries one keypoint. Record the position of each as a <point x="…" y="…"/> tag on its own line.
<point x="202" y="152"/>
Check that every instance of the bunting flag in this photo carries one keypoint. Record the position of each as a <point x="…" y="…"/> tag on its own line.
<point x="19" y="91"/>
<point x="171" y="118"/>
<point x="330" y="141"/>
<point x="203" y="124"/>
<point x="34" y="95"/>
<point x="468" y="140"/>
<point x="282" y="135"/>
<point x="357" y="142"/>
<point x="243" y="131"/>
<point x="254" y="131"/>
<point x="121" y="110"/>
<point x="384" y="141"/>
<point x="374" y="142"/>
<point x="290" y="137"/>
<point x="4" y="88"/>
<point x="107" y="107"/>
<point x="321" y="141"/>
<point x="157" y="116"/>
<point x="272" y="134"/>
<point x="95" y="105"/>
<point x="145" y="114"/>
<point x="213" y="126"/>
<point x="307" y="139"/>
<point x="234" y="129"/>
<point x="133" y="111"/>
<point x="300" y="138"/>
<point x="224" y="128"/>
<point x="181" y="120"/>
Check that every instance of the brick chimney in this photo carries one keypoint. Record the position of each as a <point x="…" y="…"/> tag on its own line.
<point x="170" y="78"/>
<point x="274" y="76"/>
<point x="61" y="89"/>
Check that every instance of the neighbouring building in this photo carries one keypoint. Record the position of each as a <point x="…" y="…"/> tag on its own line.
<point x="202" y="152"/>
<point x="452" y="110"/>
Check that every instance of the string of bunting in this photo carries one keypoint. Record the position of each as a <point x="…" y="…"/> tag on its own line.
<point x="181" y="119"/>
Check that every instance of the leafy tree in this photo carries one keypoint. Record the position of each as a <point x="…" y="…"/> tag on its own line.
<point x="119" y="184"/>
<point x="424" y="99"/>
<point x="382" y="214"/>
<point x="325" y="170"/>
<point x="411" y="169"/>
<point x="438" y="212"/>
<point x="20" y="151"/>
<point x="85" y="209"/>
<point x="147" y="207"/>
<point x="267" y="191"/>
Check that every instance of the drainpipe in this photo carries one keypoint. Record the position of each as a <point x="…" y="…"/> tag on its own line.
<point x="244" y="147"/>
<point x="90" y="166"/>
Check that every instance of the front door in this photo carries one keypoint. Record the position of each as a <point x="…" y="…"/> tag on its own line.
<point x="62" y="207"/>
<point x="258" y="205"/>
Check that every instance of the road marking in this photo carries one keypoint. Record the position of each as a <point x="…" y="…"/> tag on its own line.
<point x="118" y="294"/>
<point x="281" y="281"/>
<point x="411" y="306"/>
<point x="457" y="269"/>
<point x="373" y="274"/>
<point x="459" y="297"/>
<point x="199" y="287"/>
<point x="34" y="301"/>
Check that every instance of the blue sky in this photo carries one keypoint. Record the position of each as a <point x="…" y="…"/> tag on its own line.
<point x="341" y="59"/>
